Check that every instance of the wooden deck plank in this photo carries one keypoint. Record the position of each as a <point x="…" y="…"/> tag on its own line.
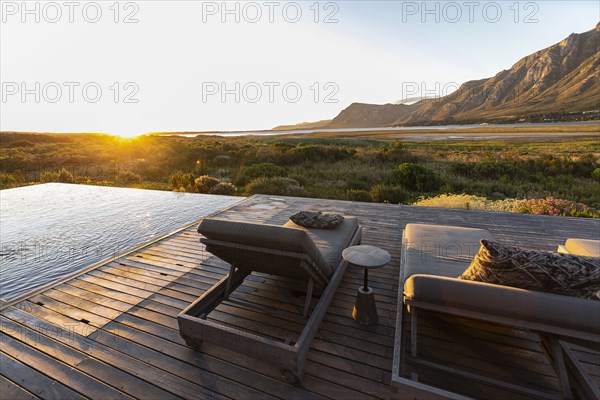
<point x="131" y="345"/>
<point x="291" y="320"/>
<point x="311" y="384"/>
<point x="117" y="287"/>
<point x="55" y="318"/>
<point x="208" y="363"/>
<point x="212" y="382"/>
<point x="144" y="289"/>
<point x="94" y="297"/>
<point x="60" y="372"/>
<point x="72" y="310"/>
<point x="341" y="346"/>
<point x="168" y="382"/>
<point x="109" y="374"/>
<point x="76" y="301"/>
<point x="34" y="381"/>
<point x="11" y="391"/>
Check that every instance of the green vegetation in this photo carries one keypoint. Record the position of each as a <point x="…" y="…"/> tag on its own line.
<point x="61" y="175"/>
<point x="417" y="177"/>
<point x="275" y="185"/>
<point x="381" y="193"/>
<point x="493" y="172"/>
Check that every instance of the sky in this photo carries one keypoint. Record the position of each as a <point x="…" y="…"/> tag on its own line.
<point x="134" y="67"/>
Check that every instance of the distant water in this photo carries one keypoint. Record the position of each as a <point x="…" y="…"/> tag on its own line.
<point x="52" y="230"/>
<point x="395" y="129"/>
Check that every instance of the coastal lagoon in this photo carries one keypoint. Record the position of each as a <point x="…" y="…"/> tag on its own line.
<point x="399" y="129"/>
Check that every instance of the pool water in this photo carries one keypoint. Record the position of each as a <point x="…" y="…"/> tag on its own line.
<point x="52" y="230"/>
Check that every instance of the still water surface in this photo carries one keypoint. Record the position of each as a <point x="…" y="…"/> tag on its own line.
<point x="400" y="129"/>
<point x="51" y="230"/>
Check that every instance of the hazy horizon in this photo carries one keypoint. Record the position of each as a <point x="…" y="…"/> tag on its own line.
<point x="151" y="66"/>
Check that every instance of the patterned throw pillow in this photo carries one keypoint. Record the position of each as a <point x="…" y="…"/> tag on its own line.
<point x="316" y="219"/>
<point x="564" y="274"/>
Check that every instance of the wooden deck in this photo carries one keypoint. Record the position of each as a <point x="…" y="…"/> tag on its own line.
<point x="112" y="331"/>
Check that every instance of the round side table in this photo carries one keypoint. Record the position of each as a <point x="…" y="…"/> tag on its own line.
<point x="366" y="257"/>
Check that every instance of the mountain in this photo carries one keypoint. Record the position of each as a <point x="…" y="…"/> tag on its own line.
<point x="360" y="115"/>
<point x="557" y="82"/>
<point x="303" y="125"/>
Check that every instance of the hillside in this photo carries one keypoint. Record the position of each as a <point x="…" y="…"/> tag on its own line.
<point x="303" y="125"/>
<point x="558" y="82"/>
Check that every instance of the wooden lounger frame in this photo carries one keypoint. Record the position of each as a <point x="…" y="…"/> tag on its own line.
<point x="556" y="342"/>
<point x="290" y="357"/>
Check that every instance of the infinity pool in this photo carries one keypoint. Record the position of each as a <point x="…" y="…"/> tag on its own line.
<point x="52" y="230"/>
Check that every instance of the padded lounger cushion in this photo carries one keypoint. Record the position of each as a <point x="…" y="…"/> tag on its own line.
<point x="583" y="247"/>
<point x="274" y="240"/>
<point x="331" y="242"/>
<point x="440" y="250"/>
<point x="526" y="305"/>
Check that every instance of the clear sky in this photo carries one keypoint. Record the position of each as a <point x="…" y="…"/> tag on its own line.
<point x="145" y="66"/>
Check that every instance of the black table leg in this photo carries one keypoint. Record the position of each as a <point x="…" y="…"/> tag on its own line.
<point x="366" y="280"/>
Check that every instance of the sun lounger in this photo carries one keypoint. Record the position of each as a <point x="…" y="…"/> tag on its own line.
<point x="310" y="255"/>
<point x="581" y="247"/>
<point x="434" y="256"/>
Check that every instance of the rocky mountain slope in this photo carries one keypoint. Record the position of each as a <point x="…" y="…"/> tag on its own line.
<point x="554" y="83"/>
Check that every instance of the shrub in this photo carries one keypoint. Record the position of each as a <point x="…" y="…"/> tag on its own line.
<point x="495" y="169"/>
<point x="596" y="174"/>
<point x="359" y="184"/>
<point x="275" y="185"/>
<point x="152" y="173"/>
<point x="416" y="177"/>
<point x="302" y="180"/>
<point x="8" y="180"/>
<point x="315" y="153"/>
<point x="223" y="188"/>
<point x="48" y="176"/>
<point x="125" y="176"/>
<point x="462" y="168"/>
<point x="447" y="188"/>
<point x="182" y="182"/>
<point x="394" y="151"/>
<point x="257" y="170"/>
<point x="547" y="206"/>
<point x="61" y="175"/>
<point x="563" y="165"/>
<point x="359" y="195"/>
<point x="389" y="194"/>
<point x="555" y="207"/>
<point x="585" y="166"/>
<point x="205" y="183"/>
<point x="489" y="169"/>
<point x="466" y="202"/>
<point x="65" y="176"/>
<point x="21" y="143"/>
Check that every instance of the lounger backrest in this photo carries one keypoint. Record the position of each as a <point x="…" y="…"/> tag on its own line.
<point x="439" y="250"/>
<point x="583" y="247"/>
<point x="271" y="243"/>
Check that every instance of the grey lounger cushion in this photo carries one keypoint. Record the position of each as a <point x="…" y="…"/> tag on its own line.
<point x="264" y="235"/>
<point x="583" y="247"/>
<point x="331" y="242"/>
<point x="526" y="305"/>
<point x="323" y="247"/>
<point x="440" y="250"/>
